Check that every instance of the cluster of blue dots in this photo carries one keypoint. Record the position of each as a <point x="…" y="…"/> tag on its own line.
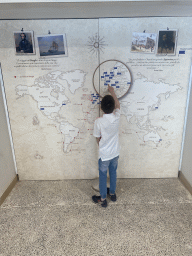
<point x="95" y="98"/>
<point x="109" y="76"/>
<point x="106" y="77"/>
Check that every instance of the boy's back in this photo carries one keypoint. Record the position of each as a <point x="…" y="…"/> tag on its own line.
<point x="107" y="128"/>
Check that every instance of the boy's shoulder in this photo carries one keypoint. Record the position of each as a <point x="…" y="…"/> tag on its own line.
<point x="117" y="112"/>
<point x="98" y="120"/>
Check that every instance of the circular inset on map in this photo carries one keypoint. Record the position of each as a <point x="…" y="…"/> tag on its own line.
<point x="116" y="74"/>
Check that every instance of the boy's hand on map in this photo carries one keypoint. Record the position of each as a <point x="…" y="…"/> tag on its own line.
<point x="111" y="89"/>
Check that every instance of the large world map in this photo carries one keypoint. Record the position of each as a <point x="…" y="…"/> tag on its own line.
<point x="53" y="104"/>
<point x="143" y="98"/>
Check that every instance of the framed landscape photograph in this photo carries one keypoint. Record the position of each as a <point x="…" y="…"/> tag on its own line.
<point x="143" y="42"/>
<point x="52" y="45"/>
<point x="167" y="42"/>
<point x="24" y="42"/>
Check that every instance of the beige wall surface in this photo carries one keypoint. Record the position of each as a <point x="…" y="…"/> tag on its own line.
<point x="7" y="168"/>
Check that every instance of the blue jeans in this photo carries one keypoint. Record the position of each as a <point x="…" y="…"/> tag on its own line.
<point x="103" y="166"/>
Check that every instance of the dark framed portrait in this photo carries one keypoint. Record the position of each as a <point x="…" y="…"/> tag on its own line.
<point x="143" y="42"/>
<point x="24" y="42"/>
<point x="52" y="45"/>
<point x="167" y="42"/>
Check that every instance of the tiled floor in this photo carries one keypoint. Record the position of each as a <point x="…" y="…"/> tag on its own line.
<point x="150" y="217"/>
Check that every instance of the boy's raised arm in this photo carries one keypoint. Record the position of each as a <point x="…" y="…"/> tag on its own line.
<point x="111" y="90"/>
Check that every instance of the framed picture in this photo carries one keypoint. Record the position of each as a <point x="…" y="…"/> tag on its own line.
<point x="52" y="45"/>
<point x="143" y="42"/>
<point x="24" y="42"/>
<point x="167" y="42"/>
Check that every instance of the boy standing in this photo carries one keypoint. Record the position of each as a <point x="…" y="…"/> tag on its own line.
<point x="106" y="131"/>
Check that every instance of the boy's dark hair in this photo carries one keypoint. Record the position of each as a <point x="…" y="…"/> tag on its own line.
<point x="108" y="104"/>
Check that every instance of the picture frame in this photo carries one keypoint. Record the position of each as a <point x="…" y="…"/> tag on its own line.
<point x="143" y="42"/>
<point x="52" y="45"/>
<point x="24" y="42"/>
<point x="167" y="40"/>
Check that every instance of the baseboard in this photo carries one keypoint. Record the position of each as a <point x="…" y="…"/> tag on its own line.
<point x="8" y="190"/>
<point x="185" y="182"/>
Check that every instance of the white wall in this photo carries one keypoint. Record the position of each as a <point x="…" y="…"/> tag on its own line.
<point x="7" y="168"/>
<point x="186" y="164"/>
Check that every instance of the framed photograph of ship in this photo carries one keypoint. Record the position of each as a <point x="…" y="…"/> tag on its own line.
<point x="143" y="42"/>
<point x="24" y="42"/>
<point x="167" y="42"/>
<point x="52" y="45"/>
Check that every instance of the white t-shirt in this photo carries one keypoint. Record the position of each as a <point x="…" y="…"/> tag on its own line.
<point x="107" y="127"/>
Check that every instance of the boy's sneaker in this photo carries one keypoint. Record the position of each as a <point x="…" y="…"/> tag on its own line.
<point x="112" y="197"/>
<point x="97" y="199"/>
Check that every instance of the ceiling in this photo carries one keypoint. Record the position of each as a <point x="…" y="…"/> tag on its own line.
<point x="94" y="9"/>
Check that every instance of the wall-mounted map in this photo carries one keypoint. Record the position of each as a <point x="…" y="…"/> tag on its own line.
<point x="53" y="105"/>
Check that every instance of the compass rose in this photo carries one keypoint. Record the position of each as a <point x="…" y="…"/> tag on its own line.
<point x="96" y="44"/>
